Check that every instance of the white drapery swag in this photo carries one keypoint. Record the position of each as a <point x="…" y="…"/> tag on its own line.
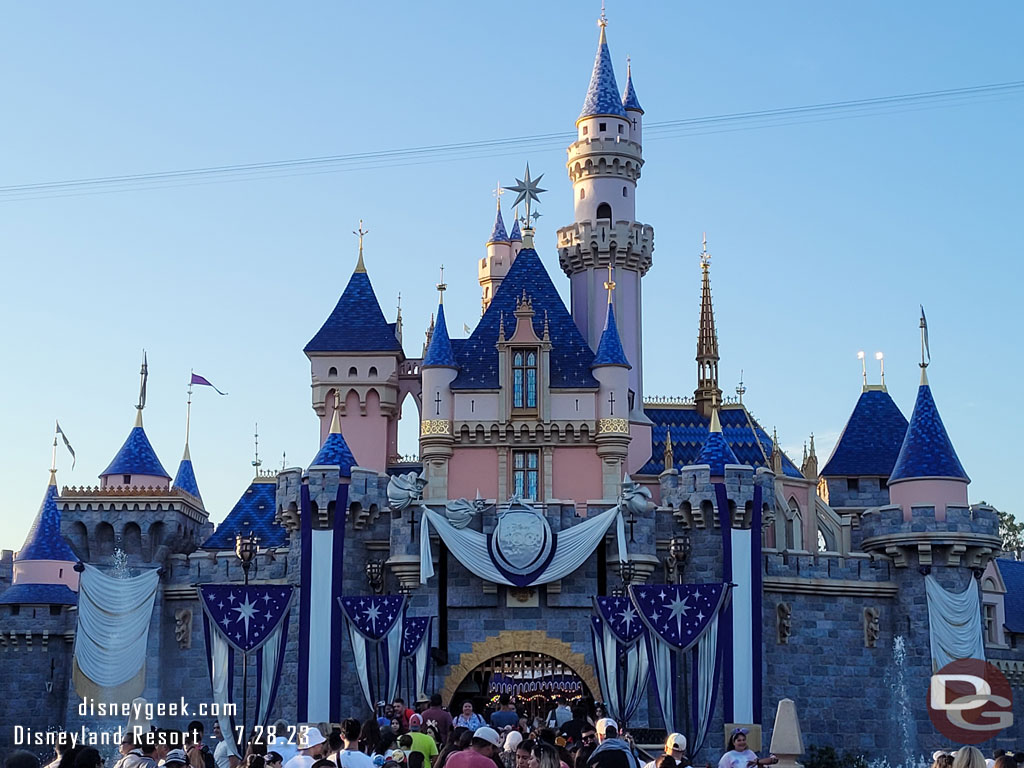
<point x="392" y="642"/>
<point x="221" y="662"/>
<point x="707" y="674"/>
<point x="575" y="545"/>
<point x="421" y="660"/>
<point x="113" y="624"/>
<point x="954" y="624"/>
<point x="634" y="679"/>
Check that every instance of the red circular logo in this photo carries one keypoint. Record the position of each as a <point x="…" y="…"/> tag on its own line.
<point x="970" y="701"/>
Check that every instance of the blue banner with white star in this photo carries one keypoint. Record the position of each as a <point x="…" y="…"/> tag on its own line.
<point x="375" y="624"/>
<point x="246" y="615"/>
<point x="621" y="616"/>
<point x="621" y="655"/>
<point x="678" y="613"/>
<point x="373" y="616"/>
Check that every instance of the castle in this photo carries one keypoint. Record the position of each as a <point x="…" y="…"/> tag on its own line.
<point x="546" y="404"/>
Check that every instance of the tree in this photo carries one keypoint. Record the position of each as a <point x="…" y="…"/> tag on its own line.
<point x="1012" y="534"/>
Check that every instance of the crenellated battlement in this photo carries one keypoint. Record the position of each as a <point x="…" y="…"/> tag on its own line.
<point x="956" y="536"/>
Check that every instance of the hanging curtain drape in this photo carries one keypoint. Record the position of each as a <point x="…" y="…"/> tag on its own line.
<point x="220" y="661"/>
<point x="954" y="623"/>
<point x="572" y="547"/>
<point x="620" y="655"/>
<point x="416" y="645"/>
<point x="375" y="627"/>
<point x="707" y="660"/>
<point x="113" y="624"/>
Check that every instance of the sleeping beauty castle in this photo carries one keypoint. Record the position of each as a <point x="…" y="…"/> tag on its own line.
<point x="560" y="534"/>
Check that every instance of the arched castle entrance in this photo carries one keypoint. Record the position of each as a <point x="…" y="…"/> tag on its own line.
<point x="519" y="657"/>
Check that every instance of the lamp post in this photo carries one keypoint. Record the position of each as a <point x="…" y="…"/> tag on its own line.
<point x="679" y="549"/>
<point x="245" y="550"/>
<point x="375" y="576"/>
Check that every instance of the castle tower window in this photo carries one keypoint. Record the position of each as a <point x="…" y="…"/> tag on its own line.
<point x="852" y="485"/>
<point x="524" y="378"/>
<point x="991" y="630"/>
<point x="583" y="194"/>
<point x="126" y="479"/>
<point x="333" y="371"/>
<point x="620" y="128"/>
<point x="373" y="372"/>
<point x="625" y="192"/>
<point x="602" y="127"/>
<point x="352" y="372"/>
<point x="524" y="473"/>
<point x="604" y="211"/>
<point x="586" y="130"/>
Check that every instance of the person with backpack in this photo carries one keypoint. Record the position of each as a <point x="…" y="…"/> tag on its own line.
<point x="199" y="755"/>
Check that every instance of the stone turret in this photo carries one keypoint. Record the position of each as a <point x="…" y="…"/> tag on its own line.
<point x="495" y="265"/>
<point x="436" y="436"/>
<point x="611" y="369"/>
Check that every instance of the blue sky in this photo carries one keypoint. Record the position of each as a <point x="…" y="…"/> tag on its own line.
<point x="826" y="235"/>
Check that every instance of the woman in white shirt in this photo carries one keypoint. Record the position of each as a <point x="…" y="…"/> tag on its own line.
<point x="740" y="755"/>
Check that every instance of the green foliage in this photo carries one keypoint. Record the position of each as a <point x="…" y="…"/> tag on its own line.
<point x="827" y="757"/>
<point x="1012" y="534"/>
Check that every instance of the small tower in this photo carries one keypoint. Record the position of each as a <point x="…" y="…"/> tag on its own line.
<point x="809" y="467"/>
<point x="515" y="237"/>
<point x="634" y="112"/>
<point x="604" y="166"/>
<point x="611" y="369"/>
<point x="44" y="568"/>
<point x="185" y="478"/>
<point x="708" y="393"/>
<point x="354" y="360"/>
<point x="716" y="453"/>
<point x="494" y="266"/>
<point x="436" y="437"/>
<point x="136" y="465"/>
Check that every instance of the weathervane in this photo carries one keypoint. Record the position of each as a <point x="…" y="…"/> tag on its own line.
<point x="705" y="257"/>
<point x="527" y="189"/>
<point x="256" y="439"/>
<point x="498" y="191"/>
<point x="360" y="233"/>
<point x="441" y="287"/>
<point x="741" y="390"/>
<point x="602" y="20"/>
<point x="609" y="284"/>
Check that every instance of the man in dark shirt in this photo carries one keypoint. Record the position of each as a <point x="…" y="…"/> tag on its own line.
<point x="505" y="716"/>
<point x="573" y="729"/>
<point x="612" y="751"/>
<point x="438" y="717"/>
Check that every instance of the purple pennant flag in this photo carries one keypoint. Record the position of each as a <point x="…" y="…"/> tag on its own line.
<point x="202" y="381"/>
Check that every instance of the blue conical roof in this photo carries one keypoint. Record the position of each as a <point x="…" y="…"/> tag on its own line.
<point x="439" y="352"/>
<point x="716" y="452"/>
<point x="498" y="234"/>
<point x="136" y="457"/>
<point x="515" y="235"/>
<point x="44" y="540"/>
<point x="335" y="451"/>
<point x="357" y="323"/>
<point x="603" y="93"/>
<point x="186" y="477"/>
<point x="871" y="439"/>
<point x="609" y="348"/>
<point x="629" y="99"/>
<point x="927" y="450"/>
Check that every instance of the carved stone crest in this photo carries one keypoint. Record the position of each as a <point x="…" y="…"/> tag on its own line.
<point x="522" y="540"/>
<point x="784" y="622"/>
<point x="872" y="629"/>
<point x="183" y="628"/>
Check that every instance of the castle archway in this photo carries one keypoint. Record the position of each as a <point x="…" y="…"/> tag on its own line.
<point x="521" y="656"/>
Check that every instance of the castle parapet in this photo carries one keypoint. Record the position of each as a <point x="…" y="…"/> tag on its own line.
<point x="968" y="536"/>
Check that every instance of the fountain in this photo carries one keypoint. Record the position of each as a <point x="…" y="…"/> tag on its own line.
<point x="120" y="568"/>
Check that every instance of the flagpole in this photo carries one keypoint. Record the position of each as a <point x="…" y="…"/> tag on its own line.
<point x="188" y="407"/>
<point x="53" y="457"/>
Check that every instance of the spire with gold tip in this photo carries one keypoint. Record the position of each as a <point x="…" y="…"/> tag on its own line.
<point x="716" y="452"/>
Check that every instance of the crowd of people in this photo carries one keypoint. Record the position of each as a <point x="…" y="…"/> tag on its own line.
<point x="430" y="737"/>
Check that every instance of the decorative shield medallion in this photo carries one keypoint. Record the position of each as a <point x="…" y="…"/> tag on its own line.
<point x="522" y="542"/>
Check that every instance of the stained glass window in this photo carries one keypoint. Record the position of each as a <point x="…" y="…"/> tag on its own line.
<point x="524" y="379"/>
<point x="524" y="473"/>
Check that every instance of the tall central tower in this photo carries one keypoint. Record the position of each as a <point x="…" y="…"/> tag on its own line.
<point x="604" y="166"/>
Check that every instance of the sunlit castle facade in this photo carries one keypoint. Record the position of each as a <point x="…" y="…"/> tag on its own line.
<point x="559" y="531"/>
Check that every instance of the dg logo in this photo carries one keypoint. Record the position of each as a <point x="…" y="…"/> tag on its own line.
<point x="970" y="701"/>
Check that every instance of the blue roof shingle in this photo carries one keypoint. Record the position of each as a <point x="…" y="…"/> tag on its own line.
<point x="609" y="348"/>
<point x="357" y="323"/>
<point x="44" y="540"/>
<point x="571" y="356"/>
<point x="603" y="93"/>
<point x="515" y="236"/>
<point x="439" y="351"/>
<point x="1012" y="572"/>
<point x="185" y="479"/>
<point x="136" y="457"/>
<point x="716" y="453"/>
<point x="335" y="453"/>
<point x="689" y="431"/>
<point x="927" y="450"/>
<point x="39" y="594"/>
<point x="871" y="439"/>
<point x="629" y="99"/>
<point x="498" y="233"/>
<point x="254" y="512"/>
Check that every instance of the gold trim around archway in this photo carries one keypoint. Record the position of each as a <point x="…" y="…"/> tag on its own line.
<point x="533" y="641"/>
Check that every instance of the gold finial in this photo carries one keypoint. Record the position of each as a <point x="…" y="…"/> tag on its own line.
<point x="498" y="192"/>
<point x="441" y="287"/>
<point x="881" y="364"/>
<point x="360" y="233"/>
<point x="716" y="423"/>
<point x="609" y="284"/>
<point x="740" y="389"/>
<point x="602" y="20"/>
<point x="336" y="417"/>
<point x="705" y="257"/>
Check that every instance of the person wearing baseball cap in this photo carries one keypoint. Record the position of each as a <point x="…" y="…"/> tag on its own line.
<point x="481" y="753"/>
<point x="675" y="746"/>
<point x="612" y="750"/>
<point x="312" y="746"/>
<point x="175" y="758"/>
<point x="419" y="741"/>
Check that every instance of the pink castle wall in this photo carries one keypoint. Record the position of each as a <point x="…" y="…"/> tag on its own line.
<point x="577" y="474"/>
<point x="138" y="481"/>
<point x="45" y="572"/>
<point x="473" y="469"/>
<point x="639" y="446"/>
<point x="935" y="492"/>
<point x="367" y="436"/>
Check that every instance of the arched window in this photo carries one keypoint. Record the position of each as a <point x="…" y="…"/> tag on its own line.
<point x="604" y="211"/>
<point x="625" y="192"/>
<point x="583" y="193"/>
<point x="352" y="372"/>
<point x="794" y="526"/>
<point x="524" y="378"/>
<point x="373" y="372"/>
<point x="333" y="371"/>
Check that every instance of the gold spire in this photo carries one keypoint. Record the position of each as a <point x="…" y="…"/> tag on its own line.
<point x="716" y="424"/>
<point x="53" y="477"/>
<point x="138" y="418"/>
<point x="708" y="392"/>
<point x="336" y="418"/>
<point x="360" y="233"/>
<point x="609" y="284"/>
<point x="669" y="460"/>
<point x="442" y="286"/>
<point x="186" y="456"/>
